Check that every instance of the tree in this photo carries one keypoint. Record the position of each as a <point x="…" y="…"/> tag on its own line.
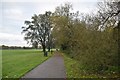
<point x="62" y="20"/>
<point x="108" y="13"/>
<point x="37" y="30"/>
<point x="49" y="34"/>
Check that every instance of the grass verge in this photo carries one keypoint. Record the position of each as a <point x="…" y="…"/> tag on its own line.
<point x="75" y="70"/>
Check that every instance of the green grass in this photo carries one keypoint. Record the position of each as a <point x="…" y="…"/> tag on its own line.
<point x="71" y="67"/>
<point x="75" y="70"/>
<point x="15" y="63"/>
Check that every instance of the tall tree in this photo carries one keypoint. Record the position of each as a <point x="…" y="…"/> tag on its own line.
<point x="49" y="34"/>
<point x="108" y="13"/>
<point x="37" y="30"/>
<point x="61" y="21"/>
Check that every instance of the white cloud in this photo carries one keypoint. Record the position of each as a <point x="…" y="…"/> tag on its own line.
<point x="14" y="14"/>
<point x="12" y="40"/>
<point x="85" y="7"/>
<point x="10" y="36"/>
<point x="50" y="0"/>
<point x="78" y="5"/>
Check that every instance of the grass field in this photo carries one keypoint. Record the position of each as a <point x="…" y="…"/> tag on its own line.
<point x="15" y="63"/>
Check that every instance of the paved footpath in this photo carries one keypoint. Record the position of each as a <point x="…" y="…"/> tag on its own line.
<point x="52" y="68"/>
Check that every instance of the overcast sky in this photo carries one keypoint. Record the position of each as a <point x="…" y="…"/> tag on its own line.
<point x="15" y="12"/>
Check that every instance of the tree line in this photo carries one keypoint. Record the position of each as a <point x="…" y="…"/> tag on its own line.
<point x="15" y="47"/>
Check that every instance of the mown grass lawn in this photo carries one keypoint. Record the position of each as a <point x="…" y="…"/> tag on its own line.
<point x="74" y="70"/>
<point x="15" y="63"/>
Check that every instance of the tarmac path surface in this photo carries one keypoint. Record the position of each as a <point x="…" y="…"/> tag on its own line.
<point x="51" y="68"/>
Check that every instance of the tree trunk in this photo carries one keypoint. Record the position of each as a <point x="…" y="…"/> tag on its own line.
<point x="49" y="49"/>
<point x="118" y="42"/>
<point x="49" y="46"/>
<point x="44" y="50"/>
<point x="48" y="42"/>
